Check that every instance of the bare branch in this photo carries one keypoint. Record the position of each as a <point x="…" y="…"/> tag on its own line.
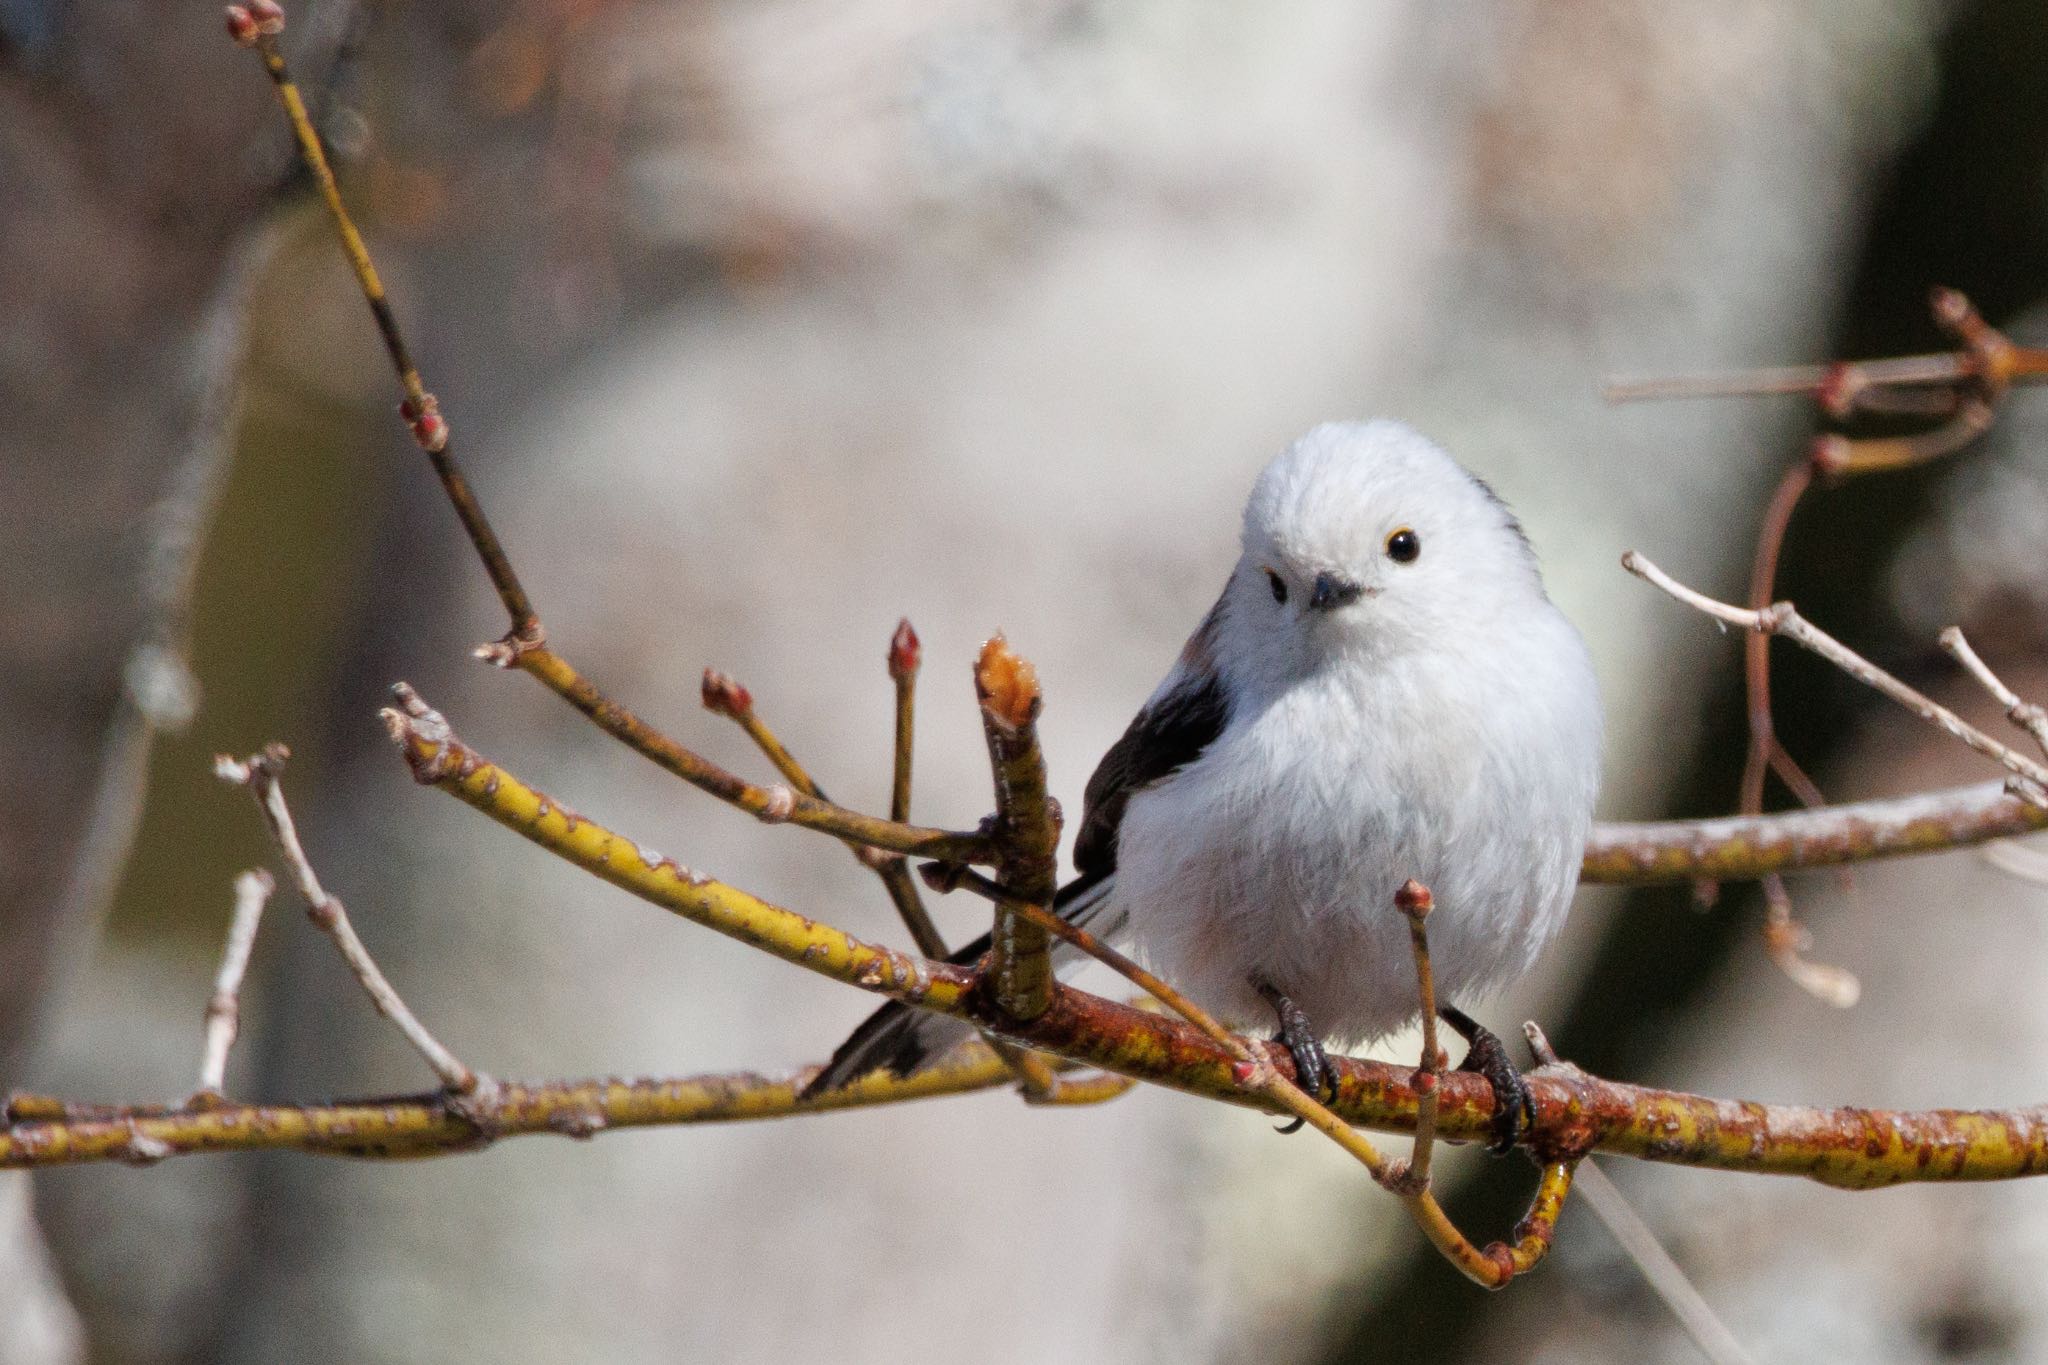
<point x="2025" y="714"/>
<point x="259" y="26"/>
<point x="726" y="697"/>
<point x="1575" y="1113"/>
<point x="1782" y="619"/>
<point x="261" y="774"/>
<point x="1987" y="365"/>
<point x="224" y="1009"/>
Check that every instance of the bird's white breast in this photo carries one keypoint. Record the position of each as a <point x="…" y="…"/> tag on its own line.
<point x="1278" y="852"/>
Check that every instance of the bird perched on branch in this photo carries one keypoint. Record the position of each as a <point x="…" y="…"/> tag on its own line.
<point x="1382" y="692"/>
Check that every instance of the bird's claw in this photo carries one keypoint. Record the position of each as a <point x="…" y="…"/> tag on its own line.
<point x="1514" y="1108"/>
<point x="1311" y="1062"/>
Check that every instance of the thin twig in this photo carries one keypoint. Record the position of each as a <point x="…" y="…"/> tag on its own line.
<point x="1987" y="362"/>
<point x="2025" y="714"/>
<point x="259" y="26"/>
<point x="1782" y="619"/>
<point x="906" y="655"/>
<point x="224" y="1008"/>
<point x="727" y="697"/>
<point x="1414" y="901"/>
<point x="260" y="773"/>
<point x="524" y="646"/>
<point x="1665" y="1279"/>
<point x="776" y="804"/>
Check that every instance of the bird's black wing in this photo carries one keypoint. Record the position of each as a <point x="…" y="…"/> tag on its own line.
<point x="1187" y="712"/>
<point x="1172" y="729"/>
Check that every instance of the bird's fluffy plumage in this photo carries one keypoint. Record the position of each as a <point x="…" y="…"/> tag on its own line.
<point x="1445" y="726"/>
<point x="1344" y="719"/>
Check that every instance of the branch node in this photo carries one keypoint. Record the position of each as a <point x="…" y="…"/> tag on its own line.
<point x="1831" y="454"/>
<point x="1841" y="386"/>
<point x="529" y="637"/>
<point x="582" y="1122"/>
<point x="944" y="878"/>
<point x="140" y="1149"/>
<point x="423" y="735"/>
<point x="780" y="804"/>
<point x="423" y="418"/>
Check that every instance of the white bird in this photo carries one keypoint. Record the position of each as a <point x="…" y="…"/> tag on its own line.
<point x="1382" y="692"/>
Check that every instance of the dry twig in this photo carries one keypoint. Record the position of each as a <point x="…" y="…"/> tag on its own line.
<point x="224" y="1008"/>
<point x="2024" y="714"/>
<point x="261" y="774"/>
<point x="1782" y="618"/>
<point x="1963" y="390"/>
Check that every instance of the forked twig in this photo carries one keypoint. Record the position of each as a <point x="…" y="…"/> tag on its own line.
<point x="525" y="646"/>
<point x="1964" y="389"/>
<point x="1782" y="618"/>
<point x="2025" y="714"/>
<point x="724" y="696"/>
<point x="260" y="773"/>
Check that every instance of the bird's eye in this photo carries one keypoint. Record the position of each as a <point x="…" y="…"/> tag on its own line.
<point x="1278" y="584"/>
<point x="1403" y="546"/>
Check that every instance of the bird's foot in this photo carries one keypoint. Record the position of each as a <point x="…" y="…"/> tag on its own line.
<point x="1311" y="1063"/>
<point x="1514" y="1108"/>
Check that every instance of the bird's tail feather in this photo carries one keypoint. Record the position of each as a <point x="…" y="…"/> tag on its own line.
<point x="900" y="1039"/>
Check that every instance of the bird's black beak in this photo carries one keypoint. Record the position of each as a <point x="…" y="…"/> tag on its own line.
<point x="1332" y="592"/>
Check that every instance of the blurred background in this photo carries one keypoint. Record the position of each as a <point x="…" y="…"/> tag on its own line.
<point x="762" y="324"/>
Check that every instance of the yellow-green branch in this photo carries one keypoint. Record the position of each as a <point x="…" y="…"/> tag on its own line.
<point x="1575" y="1113"/>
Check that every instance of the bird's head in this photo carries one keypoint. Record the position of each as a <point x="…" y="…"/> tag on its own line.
<point x="1366" y="538"/>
